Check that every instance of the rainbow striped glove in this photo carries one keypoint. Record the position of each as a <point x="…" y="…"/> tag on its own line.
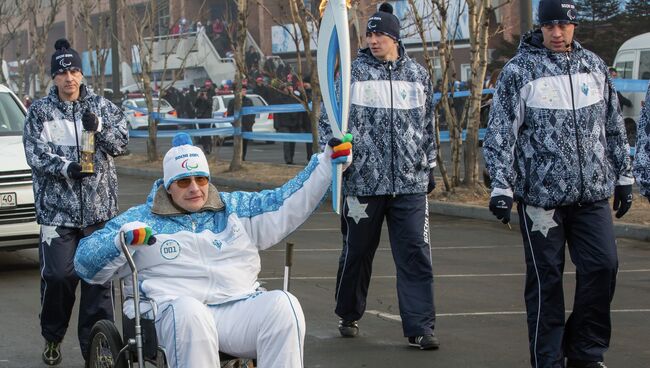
<point x="341" y="150"/>
<point x="137" y="233"/>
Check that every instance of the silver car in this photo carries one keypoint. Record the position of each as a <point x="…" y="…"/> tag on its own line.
<point x="135" y="110"/>
<point x="263" y="122"/>
<point x="18" y="227"/>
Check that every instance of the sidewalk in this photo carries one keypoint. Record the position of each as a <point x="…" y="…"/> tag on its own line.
<point x="621" y="229"/>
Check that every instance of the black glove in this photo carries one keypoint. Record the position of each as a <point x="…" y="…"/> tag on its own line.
<point x="74" y="171"/>
<point x="432" y="182"/>
<point x="622" y="199"/>
<point x="89" y="121"/>
<point x="501" y="206"/>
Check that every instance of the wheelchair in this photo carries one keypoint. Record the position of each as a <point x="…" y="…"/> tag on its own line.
<point x="138" y="345"/>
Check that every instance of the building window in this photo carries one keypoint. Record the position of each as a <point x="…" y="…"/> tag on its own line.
<point x="164" y="23"/>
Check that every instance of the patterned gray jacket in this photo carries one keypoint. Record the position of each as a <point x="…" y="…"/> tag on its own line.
<point x="642" y="156"/>
<point x="555" y="133"/>
<point x="52" y="136"/>
<point x="392" y="121"/>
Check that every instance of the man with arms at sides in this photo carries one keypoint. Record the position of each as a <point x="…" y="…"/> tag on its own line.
<point x="391" y="118"/>
<point x="556" y="144"/>
<point x="71" y="204"/>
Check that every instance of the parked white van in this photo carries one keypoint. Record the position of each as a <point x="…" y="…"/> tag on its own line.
<point x="633" y="62"/>
<point x="18" y="227"/>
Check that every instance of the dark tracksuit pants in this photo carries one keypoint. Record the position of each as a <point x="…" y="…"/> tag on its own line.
<point x="408" y="229"/>
<point x="59" y="283"/>
<point x="588" y="231"/>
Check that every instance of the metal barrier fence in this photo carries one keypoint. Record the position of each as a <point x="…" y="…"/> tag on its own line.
<point x="223" y="126"/>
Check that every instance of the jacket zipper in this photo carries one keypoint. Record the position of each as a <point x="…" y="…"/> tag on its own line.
<point x="76" y="135"/>
<point x="392" y="138"/>
<point x="575" y="128"/>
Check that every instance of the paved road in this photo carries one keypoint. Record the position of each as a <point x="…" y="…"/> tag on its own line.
<point x="479" y="282"/>
<point x="263" y="152"/>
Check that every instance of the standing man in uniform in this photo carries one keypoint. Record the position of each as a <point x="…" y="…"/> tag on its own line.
<point x="391" y="118"/>
<point x="556" y="144"/>
<point x="71" y="204"/>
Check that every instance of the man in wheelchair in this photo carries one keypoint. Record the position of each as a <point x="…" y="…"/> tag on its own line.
<point x="202" y="267"/>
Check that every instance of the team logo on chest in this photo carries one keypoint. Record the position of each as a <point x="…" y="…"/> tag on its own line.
<point x="585" y="89"/>
<point x="217" y="243"/>
<point x="170" y="249"/>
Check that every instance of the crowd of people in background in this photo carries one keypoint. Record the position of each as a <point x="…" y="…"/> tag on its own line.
<point x="275" y="81"/>
<point x="219" y="31"/>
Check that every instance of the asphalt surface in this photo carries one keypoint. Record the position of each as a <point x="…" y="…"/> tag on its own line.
<point x="265" y="152"/>
<point x="479" y="298"/>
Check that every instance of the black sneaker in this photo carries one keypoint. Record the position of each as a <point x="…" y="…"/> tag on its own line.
<point x="52" y="353"/>
<point x="348" y="328"/>
<point x="425" y="342"/>
<point x="584" y="364"/>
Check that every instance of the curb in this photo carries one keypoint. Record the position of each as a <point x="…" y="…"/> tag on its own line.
<point x="621" y="230"/>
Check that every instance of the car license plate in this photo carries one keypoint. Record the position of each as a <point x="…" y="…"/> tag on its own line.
<point x="7" y="200"/>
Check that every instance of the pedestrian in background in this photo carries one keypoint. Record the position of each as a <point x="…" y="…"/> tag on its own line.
<point x="392" y="121"/>
<point x="287" y="122"/>
<point x="247" y="121"/>
<point x="556" y="144"/>
<point x="71" y="204"/>
<point x="203" y="110"/>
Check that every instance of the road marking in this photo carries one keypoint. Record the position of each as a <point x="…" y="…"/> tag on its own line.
<point x="307" y="278"/>
<point x="388" y="249"/>
<point x="395" y="317"/>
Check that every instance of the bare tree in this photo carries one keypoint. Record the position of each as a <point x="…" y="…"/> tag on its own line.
<point x="480" y="13"/>
<point x="299" y="26"/>
<point x="140" y="43"/>
<point x="41" y="15"/>
<point x="300" y="16"/>
<point x="440" y="14"/>
<point x="11" y="17"/>
<point x="479" y="22"/>
<point x="238" y="41"/>
<point x="24" y="76"/>
<point x="445" y="15"/>
<point x="97" y="30"/>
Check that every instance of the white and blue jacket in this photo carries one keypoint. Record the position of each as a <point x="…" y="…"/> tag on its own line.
<point x="52" y="138"/>
<point x="555" y="134"/>
<point x="211" y="255"/>
<point x="642" y="156"/>
<point x="393" y="125"/>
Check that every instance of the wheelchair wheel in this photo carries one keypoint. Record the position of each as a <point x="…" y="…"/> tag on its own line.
<point x="105" y="346"/>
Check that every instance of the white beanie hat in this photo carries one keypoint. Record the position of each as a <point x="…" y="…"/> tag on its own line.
<point x="183" y="160"/>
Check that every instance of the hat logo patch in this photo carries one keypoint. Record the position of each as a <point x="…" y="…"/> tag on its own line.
<point x="189" y="166"/>
<point x="571" y="14"/>
<point x="64" y="64"/>
<point x="372" y="25"/>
